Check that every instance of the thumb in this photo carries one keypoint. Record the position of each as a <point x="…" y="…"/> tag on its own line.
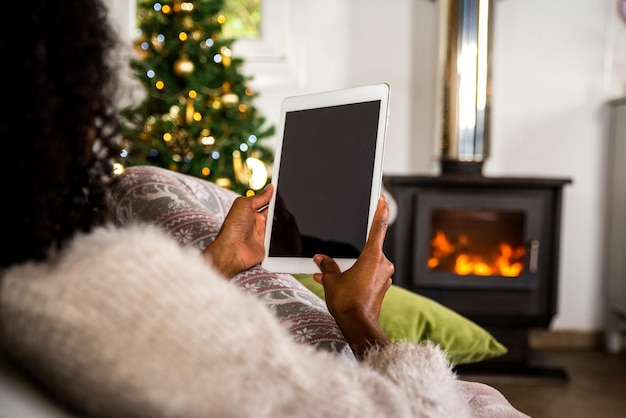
<point x="261" y="199"/>
<point x="326" y="264"/>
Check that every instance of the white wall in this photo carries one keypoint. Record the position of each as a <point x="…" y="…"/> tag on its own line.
<point x="551" y="83"/>
<point x="556" y="64"/>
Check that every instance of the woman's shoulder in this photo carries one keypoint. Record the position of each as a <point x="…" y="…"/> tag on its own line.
<point x="130" y="249"/>
<point x="131" y="238"/>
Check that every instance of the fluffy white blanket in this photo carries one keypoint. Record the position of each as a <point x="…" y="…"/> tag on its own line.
<point x="128" y="323"/>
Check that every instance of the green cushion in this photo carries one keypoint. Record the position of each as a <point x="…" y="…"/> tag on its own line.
<point x="405" y="315"/>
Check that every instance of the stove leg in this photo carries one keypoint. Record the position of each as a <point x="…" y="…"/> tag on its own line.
<point x="520" y="361"/>
<point x="613" y="338"/>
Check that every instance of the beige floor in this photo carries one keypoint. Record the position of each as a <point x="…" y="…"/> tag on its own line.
<point x="596" y="387"/>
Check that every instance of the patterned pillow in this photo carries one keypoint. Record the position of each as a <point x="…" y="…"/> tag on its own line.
<point x="192" y="210"/>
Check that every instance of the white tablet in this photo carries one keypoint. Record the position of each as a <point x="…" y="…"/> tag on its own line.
<point x="327" y="177"/>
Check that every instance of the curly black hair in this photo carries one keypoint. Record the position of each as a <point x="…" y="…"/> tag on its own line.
<point x="59" y="127"/>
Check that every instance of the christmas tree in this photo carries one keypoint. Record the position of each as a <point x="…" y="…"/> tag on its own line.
<point x="197" y="116"/>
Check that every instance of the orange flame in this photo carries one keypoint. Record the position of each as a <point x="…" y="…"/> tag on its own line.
<point x="504" y="262"/>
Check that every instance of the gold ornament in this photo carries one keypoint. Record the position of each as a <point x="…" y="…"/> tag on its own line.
<point x="189" y="111"/>
<point x="188" y="23"/>
<point x="240" y="174"/>
<point x="156" y="44"/>
<point x="183" y="66"/>
<point x="258" y="173"/>
<point x="223" y="182"/>
<point x="230" y="99"/>
<point x="216" y="103"/>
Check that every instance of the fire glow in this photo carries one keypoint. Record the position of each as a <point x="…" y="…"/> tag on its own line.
<point x="504" y="261"/>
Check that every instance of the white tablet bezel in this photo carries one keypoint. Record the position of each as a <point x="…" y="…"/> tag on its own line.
<point x="305" y="265"/>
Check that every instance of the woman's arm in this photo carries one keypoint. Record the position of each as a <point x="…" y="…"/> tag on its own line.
<point x="354" y="297"/>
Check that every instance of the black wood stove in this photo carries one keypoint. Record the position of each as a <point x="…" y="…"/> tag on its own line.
<point x="485" y="247"/>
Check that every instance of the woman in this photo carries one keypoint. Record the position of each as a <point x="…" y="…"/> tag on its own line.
<point x="125" y="322"/>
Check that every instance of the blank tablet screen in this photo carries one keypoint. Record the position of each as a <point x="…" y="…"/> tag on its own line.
<point x="325" y="182"/>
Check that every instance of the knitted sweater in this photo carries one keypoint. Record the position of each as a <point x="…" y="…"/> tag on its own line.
<point x="126" y="323"/>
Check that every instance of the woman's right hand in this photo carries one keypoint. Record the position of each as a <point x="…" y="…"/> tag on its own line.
<point x="240" y="243"/>
<point x="354" y="297"/>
